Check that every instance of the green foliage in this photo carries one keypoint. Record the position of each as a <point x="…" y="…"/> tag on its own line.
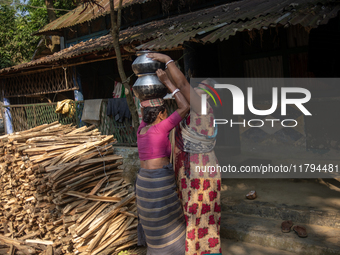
<point x="16" y="43"/>
<point x="38" y="16"/>
<point x="7" y="33"/>
<point x="18" y="23"/>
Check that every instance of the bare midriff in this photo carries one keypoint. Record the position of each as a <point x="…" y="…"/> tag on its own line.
<point x="155" y="163"/>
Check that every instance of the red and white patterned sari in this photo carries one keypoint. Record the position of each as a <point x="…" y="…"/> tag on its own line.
<point x="199" y="192"/>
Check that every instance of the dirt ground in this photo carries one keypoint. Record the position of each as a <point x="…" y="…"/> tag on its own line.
<point x="317" y="193"/>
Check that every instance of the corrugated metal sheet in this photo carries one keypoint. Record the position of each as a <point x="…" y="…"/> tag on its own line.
<point x="220" y="22"/>
<point x="208" y="25"/>
<point x="75" y="16"/>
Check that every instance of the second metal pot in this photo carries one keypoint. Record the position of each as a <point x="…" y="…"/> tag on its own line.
<point x="148" y="86"/>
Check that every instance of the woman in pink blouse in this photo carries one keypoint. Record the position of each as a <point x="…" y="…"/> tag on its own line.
<point x="161" y="220"/>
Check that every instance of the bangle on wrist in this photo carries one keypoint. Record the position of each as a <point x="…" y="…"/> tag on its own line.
<point x="167" y="63"/>
<point x="174" y="92"/>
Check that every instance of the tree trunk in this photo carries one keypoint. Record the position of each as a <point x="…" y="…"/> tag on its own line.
<point x="51" y="17"/>
<point x="115" y="25"/>
<point x="50" y="10"/>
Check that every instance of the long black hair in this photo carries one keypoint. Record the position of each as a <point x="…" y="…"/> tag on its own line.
<point x="151" y="113"/>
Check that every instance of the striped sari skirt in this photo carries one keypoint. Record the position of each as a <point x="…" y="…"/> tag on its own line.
<point x="160" y="213"/>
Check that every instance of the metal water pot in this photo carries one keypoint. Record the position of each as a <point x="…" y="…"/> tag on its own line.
<point x="143" y="64"/>
<point x="148" y="86"/>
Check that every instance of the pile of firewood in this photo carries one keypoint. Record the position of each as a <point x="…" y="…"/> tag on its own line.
<point x="61" y="192"/>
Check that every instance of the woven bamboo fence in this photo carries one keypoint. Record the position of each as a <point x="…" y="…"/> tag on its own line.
<point x="38" y="83"/>
<point x="29" y="116"/>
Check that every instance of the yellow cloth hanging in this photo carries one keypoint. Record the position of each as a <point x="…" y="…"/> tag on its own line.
<point x="66" y="106"/>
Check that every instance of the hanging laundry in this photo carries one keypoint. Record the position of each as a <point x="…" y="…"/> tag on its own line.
<point x="123" y="92"/>
<point x="117" y="92"/>
<point x="118" y="109"/>
<point x="91" y="111"/>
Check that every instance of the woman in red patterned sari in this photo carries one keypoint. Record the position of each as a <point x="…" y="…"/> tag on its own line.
<point x="199" y="191"/>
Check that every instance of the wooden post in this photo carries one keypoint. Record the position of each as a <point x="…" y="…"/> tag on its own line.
<point x="35" y="117"/>
<point x="115" y="27"/>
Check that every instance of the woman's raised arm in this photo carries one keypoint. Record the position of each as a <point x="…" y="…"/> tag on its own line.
<point x="183" y="105"/>
<point x="179" y="80"/>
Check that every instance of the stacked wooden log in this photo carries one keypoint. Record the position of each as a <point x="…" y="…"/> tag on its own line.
<point x="61" y="192"/>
